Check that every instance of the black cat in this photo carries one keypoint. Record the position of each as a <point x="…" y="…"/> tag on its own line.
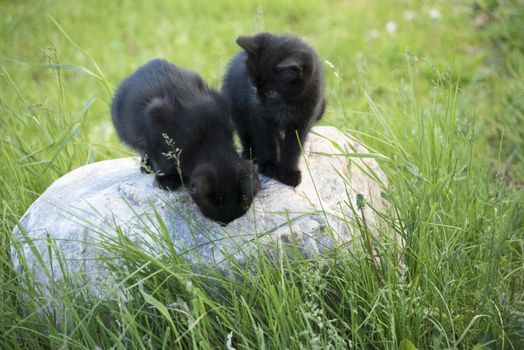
<point x="183" y="132"/>
<point x="276" y="89"/>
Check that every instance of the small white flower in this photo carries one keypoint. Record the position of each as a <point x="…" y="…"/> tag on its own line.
<point x="409" y="15"/>
<point x="373" y="34"/>
<point x="434" y="14"/>
<point x="391" y="27"/>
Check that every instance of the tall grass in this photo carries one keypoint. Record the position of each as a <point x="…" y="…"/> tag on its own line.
<point x="456" y="283"/>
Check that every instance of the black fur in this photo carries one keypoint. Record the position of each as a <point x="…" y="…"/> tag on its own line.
<point x="276" y="89"/>
<point x="182" y="130"/>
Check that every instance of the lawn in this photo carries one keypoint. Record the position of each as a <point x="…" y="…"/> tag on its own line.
<point x="436" y="87"/>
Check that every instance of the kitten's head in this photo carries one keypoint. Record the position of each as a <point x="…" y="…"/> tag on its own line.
<point x="224" y="193"/>
<point x="281" y="68"/>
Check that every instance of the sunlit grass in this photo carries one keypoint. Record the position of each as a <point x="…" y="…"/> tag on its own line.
<point x="437" y="99"/>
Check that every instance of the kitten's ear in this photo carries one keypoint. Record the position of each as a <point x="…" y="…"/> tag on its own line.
<point x="202" y="179"/>
<point x="297" y="64"/>
<point x="159" y="108"/>
<point x="251" y="44"/>
<point x="200" y="187"/>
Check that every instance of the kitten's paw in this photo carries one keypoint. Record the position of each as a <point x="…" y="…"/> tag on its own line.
<point x="291" y="178"/>
<point x="169" y="183"/>
<point x="145" y="165"/>
<point x="145" y="169"/>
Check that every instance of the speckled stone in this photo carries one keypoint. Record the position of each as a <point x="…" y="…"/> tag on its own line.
<point x="83" y="208"/>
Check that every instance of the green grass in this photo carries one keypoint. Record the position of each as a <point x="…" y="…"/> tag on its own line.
<point x="442" y="99"/>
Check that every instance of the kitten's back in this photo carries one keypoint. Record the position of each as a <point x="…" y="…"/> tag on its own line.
<point x="157" y="78"/>
<point x="237" y="87"/>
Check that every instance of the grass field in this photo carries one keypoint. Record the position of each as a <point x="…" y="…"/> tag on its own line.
<point x="437" y="87"/>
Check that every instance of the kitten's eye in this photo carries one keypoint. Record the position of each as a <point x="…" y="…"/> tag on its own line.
<point x="270" y="94"/>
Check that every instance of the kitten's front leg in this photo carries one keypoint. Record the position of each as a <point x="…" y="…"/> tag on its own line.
<point x="168" y="182"/>
<point x="266" y="150"/>
<point x="146" y="167"/>
<point x="288" y="172"/>
<point x="167" y="170"/>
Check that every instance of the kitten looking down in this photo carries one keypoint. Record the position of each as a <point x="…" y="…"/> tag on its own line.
<point x="276" y="90"/>
<point x="182" y="130"/>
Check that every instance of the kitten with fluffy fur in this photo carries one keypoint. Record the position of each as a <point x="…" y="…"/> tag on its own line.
<point x="276" y="90"/>
<point x="182" y="130"/>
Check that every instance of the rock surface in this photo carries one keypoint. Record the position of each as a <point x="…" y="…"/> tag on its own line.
<point x="86" y="206"/>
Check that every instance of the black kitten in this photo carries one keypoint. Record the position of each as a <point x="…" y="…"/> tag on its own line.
<point x="183" y="132"/>
<point x="276" y="89"/>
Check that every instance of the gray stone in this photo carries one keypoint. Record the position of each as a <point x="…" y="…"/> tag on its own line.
<point x="88" y="206"/>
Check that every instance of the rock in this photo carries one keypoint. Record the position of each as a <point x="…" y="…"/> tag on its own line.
<point x="85" y="207"/>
